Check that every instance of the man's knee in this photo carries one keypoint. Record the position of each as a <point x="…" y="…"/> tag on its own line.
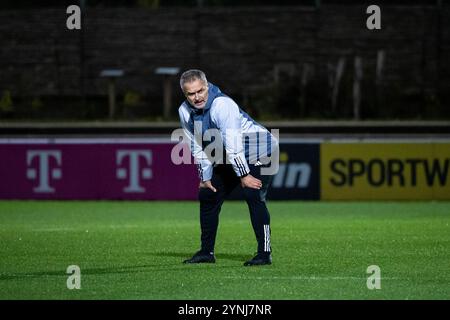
<point x="254" y="195"/>
<point x="207" y="195"/>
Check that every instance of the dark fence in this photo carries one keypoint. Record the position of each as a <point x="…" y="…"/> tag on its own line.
<point x="277" y="62"/>
<point x="301" y="129"/>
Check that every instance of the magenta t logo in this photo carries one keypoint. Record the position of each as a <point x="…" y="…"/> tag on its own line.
<point x="43" y="173"/>
<point x="134" y="172"/>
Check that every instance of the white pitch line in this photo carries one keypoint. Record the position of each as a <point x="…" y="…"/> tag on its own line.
<point x="306" y="278"/>
<point x="84" y="230"/>
<point x="56" y="229"/>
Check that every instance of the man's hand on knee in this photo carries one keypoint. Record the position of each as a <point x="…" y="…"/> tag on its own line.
<point x="208" y="185"/>
<point x="250" y="181"/>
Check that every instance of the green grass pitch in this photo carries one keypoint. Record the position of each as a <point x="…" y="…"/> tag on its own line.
<point x="134" y="250"/>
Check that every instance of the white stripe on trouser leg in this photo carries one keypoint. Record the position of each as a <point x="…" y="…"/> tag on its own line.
<point x="266" y="238"/>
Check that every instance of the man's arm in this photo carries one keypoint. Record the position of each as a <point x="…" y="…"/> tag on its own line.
<point x="228" y="119"/>
<point x="204" y="165"/>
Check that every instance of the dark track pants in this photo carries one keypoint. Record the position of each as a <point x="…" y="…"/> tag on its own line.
<point x="225" y="180"/>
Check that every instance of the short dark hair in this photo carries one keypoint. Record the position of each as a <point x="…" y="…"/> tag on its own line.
<point x="192" y="75"/>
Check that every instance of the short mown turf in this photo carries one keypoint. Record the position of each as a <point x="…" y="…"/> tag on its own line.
<point x="134" y="250"/>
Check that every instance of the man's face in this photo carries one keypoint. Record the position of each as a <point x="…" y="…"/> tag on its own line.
<point x="196" y="93"/>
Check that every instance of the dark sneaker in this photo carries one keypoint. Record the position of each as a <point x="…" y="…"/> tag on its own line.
<point x="259" y="260"/>
<point x="202" y="257"/>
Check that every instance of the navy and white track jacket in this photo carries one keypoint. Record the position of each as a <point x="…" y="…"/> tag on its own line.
<point x="243" y="139"/>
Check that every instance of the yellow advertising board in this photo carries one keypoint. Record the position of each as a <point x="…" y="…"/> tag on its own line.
<point x="385" y="171"/>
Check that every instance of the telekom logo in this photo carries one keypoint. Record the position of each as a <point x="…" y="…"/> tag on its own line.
<point x="43" y="174"/>
<point x="134" y="172"/>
